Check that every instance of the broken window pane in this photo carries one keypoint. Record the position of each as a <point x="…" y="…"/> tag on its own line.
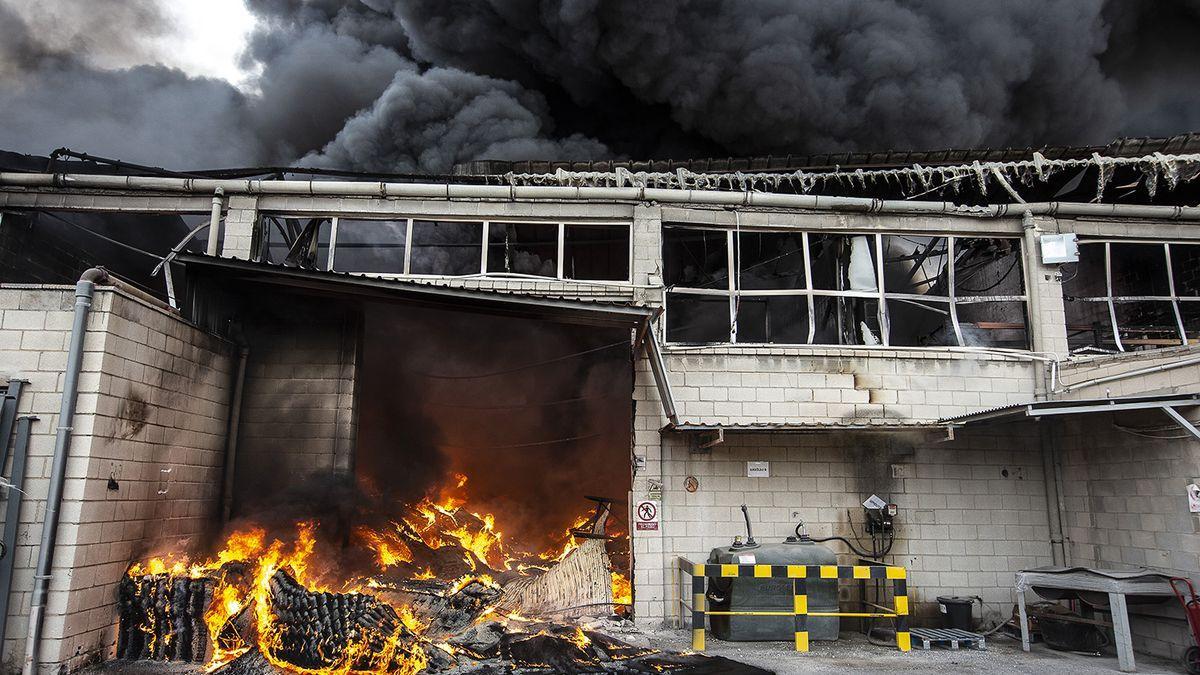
<point x="1190" y="313"/>
<point x="916" y="265"/>
<point x="771" y="260"/>
<point x="987" y="266"/>
<point x="596" y="252"/>
<point x="695" y="258"/>
<point x="1086" y="278"/>
<point x="843" y="262"/>
<point x="1088" y="325"/>
<point x="697" y="318"/>
<point x="1139" y="270"/>
<point x="370" y="246"/>
<point x="846" y="321"/>
<point x="281" y="237"/>
<point x="1146" y="324"/>
<point x="1185" y="266"/>
<point x="776" y="319"/>
<point x="993" y="324"/>
<point x="920" y="323"/>
<point x="523" y="248"/>
<point x="446" y="248"/>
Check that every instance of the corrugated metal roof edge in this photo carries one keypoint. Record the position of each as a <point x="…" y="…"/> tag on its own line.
<point x="631" y="308"/>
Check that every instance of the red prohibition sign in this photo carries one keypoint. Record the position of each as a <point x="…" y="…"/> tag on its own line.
<point x="646" y="511"/>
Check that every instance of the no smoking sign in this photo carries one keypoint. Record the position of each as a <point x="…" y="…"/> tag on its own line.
<point x="647" y="514"/>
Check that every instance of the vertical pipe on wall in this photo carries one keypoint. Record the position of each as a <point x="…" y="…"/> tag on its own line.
<point x="84" y="290"/>
<point x="214" y="222"/>
<point x="231" y="437"/>
<point x="1054" y="506"/>
<point x="12" y="517"/>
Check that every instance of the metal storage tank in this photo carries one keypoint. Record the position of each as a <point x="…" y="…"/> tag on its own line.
<point x="771" y="595"/>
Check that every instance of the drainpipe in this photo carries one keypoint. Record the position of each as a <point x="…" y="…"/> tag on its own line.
<point x="231" y="438"/>
<point x="214" y="221"/>
<point x="84" y="290"/>
<point x="1055" y="516"/>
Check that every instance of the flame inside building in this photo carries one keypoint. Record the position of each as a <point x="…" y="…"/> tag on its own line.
<point x="465" y="512"/>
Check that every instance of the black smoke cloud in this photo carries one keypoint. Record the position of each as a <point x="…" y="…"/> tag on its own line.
<point x="419" y="85"/>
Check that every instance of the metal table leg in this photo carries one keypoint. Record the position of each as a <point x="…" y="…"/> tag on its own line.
<point x="1121" y="634"/>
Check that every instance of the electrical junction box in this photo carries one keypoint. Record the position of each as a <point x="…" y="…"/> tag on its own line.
<point x="1060" y="248"/>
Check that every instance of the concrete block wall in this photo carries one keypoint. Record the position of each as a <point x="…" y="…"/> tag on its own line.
<point x="1080" y="371"/>
<point x="1126" y="506"/>
<point x="972" y="511"/>
<point x="811" y="386"/>
<point x="298" y="416"/>
<point x="151" y="416"/>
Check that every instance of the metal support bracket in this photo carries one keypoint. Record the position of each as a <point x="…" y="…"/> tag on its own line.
<point x="1182" y="421"/>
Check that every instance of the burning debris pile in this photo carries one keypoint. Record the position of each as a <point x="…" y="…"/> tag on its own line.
<point x="447" y="595"/>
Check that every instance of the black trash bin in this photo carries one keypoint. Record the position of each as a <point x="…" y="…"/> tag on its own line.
<point x="956" y="612"/>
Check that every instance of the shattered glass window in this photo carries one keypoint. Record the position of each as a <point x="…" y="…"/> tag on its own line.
<point x="694" y="258"/>
<point x="697" y="318"/>
<point x="375" y="246"/>
<point x="1185" y="271"/>
<point x="288" y="240"/>
<point x="770" y="260"/>
<point x="833" y="296"/>
<point x="523" y="248"/>
<point x="843" y="262"/>
<point x="446" y="248"/>
<point x="775" y="319"/>
<point x="596" y="252"/>
<point x="1120" y="297"/>
<point x="915" y="265"/>
<point x="920" y="323"/>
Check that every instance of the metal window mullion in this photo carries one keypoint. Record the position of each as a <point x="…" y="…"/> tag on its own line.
<point x="629" y="270"/>
<point x="812" y="314"/>
<point x="731" y="264"/>
<point x="953" y="303"/>
<point x="562" y="248"/>
<point x="483" y="258"/>
<point x="408" y="236"/>
<point x="1174" y="300"/>
<point x="1108" y="288"/>
<point x="333" y="233"/>
<point x="885" y="327"/>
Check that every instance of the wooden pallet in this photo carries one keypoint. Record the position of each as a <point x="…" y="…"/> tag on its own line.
<point x="946" y="637"/>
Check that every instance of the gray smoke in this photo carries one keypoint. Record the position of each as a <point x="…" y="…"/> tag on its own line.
<point x="418" y="85"/>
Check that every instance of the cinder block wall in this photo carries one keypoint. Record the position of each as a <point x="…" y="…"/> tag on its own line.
<point x="1126" y="507"/>
<point x="298" y="417"/>
<point x="972" y="511"/>
<point x="732" y="385"/>
<point x="151" y="416"/>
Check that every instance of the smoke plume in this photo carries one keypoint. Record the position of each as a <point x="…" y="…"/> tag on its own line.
<point x="419" y="85"/>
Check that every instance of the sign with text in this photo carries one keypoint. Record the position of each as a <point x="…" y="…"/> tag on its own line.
<point x="647" y="514"/>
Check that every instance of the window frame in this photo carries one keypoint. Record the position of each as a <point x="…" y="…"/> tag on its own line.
<point x="408" y="220"/>
<point x="881" y="294"/>
<point x="1111" y="300"/>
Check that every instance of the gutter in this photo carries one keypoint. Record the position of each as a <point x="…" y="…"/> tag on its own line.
<point x="84" y="290"/>
<point x="384" y="190"/>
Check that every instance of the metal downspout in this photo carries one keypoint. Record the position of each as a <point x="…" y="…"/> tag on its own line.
<point x="231" y="438"/>
<point x="1054" y="506"/>
<point x="214" y="222"/>
<point x="84" y="290"/>
<point x="659" y="367"/>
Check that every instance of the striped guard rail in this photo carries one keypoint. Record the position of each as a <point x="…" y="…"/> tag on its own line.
<point x="799" y="574"/>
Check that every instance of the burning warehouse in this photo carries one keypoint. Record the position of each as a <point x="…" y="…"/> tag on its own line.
<point x="406" y="425"/>
<point x="444" y="377"/>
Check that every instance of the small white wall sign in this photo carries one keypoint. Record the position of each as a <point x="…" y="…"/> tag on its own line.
<point x="758" y="469"/>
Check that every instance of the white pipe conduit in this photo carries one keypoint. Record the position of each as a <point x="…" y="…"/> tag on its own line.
<point x="568" y="193"/>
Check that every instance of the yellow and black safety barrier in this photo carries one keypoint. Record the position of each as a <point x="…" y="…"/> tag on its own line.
<point x="799" y="574"/>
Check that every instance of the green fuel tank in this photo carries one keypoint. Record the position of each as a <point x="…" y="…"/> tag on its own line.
<point x="748" y="594"/>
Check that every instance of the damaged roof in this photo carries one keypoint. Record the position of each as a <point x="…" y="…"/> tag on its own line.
<point x="203" y="268"/>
